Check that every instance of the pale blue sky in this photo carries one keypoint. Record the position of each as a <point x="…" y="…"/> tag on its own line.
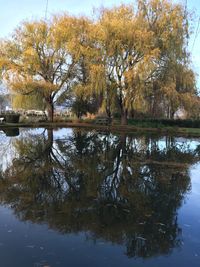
<point x="12" y="12"/>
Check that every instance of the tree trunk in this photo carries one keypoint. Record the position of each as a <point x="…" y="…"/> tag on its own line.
<point x="124" y="119"/>
<point x="123" y="109"/>
<point x="172" y="114"/>
<point x="108" y="103"/>
<point x="50" y="138"/>
<point x="108" y="111"/>
<point x="50" y="110"/>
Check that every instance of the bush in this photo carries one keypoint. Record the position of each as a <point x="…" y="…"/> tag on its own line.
<point x="12" y="118"/>
<point x="159" y="123"/>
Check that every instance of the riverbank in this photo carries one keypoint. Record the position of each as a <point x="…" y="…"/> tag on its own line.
<point x="113" y="128"/>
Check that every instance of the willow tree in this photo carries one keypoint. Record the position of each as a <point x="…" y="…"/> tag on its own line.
<point x="32" y="101"/>
<point x="127" y="49"/>
<point x="172" y="90"/>
<point x="173" y="81"/>
<point x="178" y="89"/>
<point x="35" y="60"/>
<point x="83" y="47"/>
<point x="136" y="46"/>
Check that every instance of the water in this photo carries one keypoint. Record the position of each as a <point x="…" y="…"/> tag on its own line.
<point x="70" y="197"/>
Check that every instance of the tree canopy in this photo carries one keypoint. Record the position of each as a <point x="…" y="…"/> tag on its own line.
<point x="131" y="58"/>
<point x="35" y="60"/>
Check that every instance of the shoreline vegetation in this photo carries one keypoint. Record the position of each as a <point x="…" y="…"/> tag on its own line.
<point x="115" y="127"/>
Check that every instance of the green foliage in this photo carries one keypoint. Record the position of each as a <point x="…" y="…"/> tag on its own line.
<point x="33" y="101"/>
<point x="83" y="106"/>
<point x="160" y="123"/>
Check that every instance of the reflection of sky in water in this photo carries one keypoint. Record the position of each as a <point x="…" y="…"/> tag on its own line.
<point x="7" y="144"/>
<point x="62" y="133"/>
<point x="7" y="150"/>
<point x="192" y="143"/>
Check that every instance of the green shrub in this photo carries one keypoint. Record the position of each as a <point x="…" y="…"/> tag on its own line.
<point x="160" y="123"/>
<point x="12" y="118"/>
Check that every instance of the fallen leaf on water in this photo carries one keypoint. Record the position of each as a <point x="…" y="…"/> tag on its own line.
<point x="161" y="224"/>
<point x="30" y="246"/>
<point x="142" y="238"/>
<point x="126" y="210"/>
<point x="187" y="225"/>
<point x="101" y="243"/>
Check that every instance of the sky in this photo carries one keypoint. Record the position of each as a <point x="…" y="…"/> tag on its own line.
<point x="12" y="12"/>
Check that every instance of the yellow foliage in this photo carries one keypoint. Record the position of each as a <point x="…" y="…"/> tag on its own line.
<point x="125" y="50"/>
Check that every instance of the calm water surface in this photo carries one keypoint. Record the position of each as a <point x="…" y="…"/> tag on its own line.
<point x="70" y="197"/>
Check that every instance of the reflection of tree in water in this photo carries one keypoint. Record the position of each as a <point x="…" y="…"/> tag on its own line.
<point x="124" y="189"/>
